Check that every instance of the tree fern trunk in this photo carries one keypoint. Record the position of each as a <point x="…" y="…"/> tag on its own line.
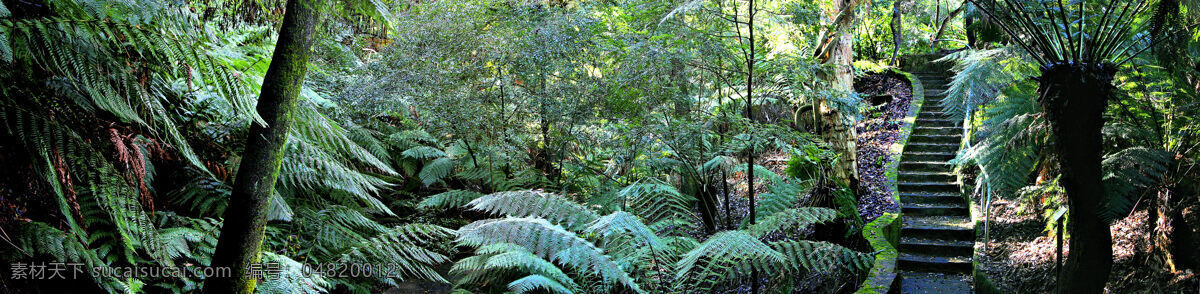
<point x="245" y="217"/>
<point x="1074" y="97"/>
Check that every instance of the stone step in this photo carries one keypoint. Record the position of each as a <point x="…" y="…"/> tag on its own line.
<point x="923" y="130"/>
<point x="924" y="138"/>
<point x="927" y="156"/>
<point x="933" y="115"/>
<point x="945" y="187"/>
<point x="932" y="147"/>
<point x="930" y="198"/>
<point x="937" y="247"/>
<point x="938" y="227"/>
<point x="925" y="166"/>
<point x="940" y="264"/>
<point x="921" y="282"/>
<point x="920" y="176"/>
<point x="932" y="104"/>
<point x="935" y="122"/>
<point x="922" y="209"/>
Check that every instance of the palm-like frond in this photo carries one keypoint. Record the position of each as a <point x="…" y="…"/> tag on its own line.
<point x="791" y="219"/>
<point x="534" y="283"/>
<point x="725" y="256"/>
<point x="1129" y="171"/>
<point x="449" y="199"/>
<point x="548" y="206"/>
<point x="547" y="241"/>
<point x="981" y="75"/>
<point x="810" y="256"/>
<point x="658" y="202"/>
<point x="532" y="264"/>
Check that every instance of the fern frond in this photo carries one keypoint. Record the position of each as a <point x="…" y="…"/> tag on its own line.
<point x="449" y="199"/>
<point x="725" y="256"/>
<point x="528" y="263"/>
<point x="548" y="206"/>
<point x="423" y="152"/>
<point x="291" y="277"/>
<point x="1129" y="171"/>
<point x="658" y="202"/>
<point x="533" y="283"/>
<point x="792" y="218"/>
<point x="623" y="224"/>
<point x="550" y="242"/>
<point x="436" y="170"/>
<point x="811" y="256"/>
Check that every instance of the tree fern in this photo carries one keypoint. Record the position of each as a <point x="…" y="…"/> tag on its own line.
<point x="810" y="256"/>
<point x="981" y="75"/>
<point x="424" y="152"/>
<point x="436" y="170"/>
<point x="550" y="242"/>
<point x="449" y="199"/>
<point x="1128" y="172"/>
<point x="791" y="219"/>
<point x="528" y="263"/>
<point x="533" y="283"/>
<point x="658" y="202"/>
<point x="543" y="205"/>
<point x="725" y="256"/>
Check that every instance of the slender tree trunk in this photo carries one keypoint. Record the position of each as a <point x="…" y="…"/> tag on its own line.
<point x="750" y="119"/>
<point x="246" y="215"/>
<point x="897" y="30"/>
<point x="946" y="23"/>
<point x="1074" y="99"/>
<point x="838" y="129"/>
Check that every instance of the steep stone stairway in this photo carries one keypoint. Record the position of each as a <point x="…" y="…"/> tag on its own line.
<point x="937" y="236"/>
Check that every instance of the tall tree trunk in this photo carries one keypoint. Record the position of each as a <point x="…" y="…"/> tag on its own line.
<point x="1074" y="99"/>
<point x="971" y="34"/>
<point x="246" y="214"/>
<point x="838" y="127"/>
<point x="750" y="152"/>
<point x="946" y="23"/>
<point x="897" y="30"/>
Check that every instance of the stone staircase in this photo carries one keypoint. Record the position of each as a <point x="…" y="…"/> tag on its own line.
<point x="937" y="235"/>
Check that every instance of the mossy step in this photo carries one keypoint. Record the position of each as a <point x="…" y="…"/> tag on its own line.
<point x="937" y="247"/>
<point x="930" y="283"/>
<point x="925" y="166"/>
<point x="932" y="147"/>
<point x="927" y="130"/>
<point x="938" y="209"/>
<point x="928" y="156"/>
<point x="927" y="187"/>
<point x="941" y="264"/>
<point x="925" y="197"/>
<point x="921" y="176"/>
<point x="935" y="122"/>
<point x="951" y="223"/>
<point x="931" y="115"/>
<point x="936" y="138"/>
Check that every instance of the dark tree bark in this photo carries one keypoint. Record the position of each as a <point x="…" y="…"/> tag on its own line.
<point x="245" y="217"/>
<point x="1074" y="97"/>
<point x="897" y="30"/>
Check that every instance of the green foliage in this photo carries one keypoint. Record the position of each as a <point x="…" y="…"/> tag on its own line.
<point x="725" y="256"/>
